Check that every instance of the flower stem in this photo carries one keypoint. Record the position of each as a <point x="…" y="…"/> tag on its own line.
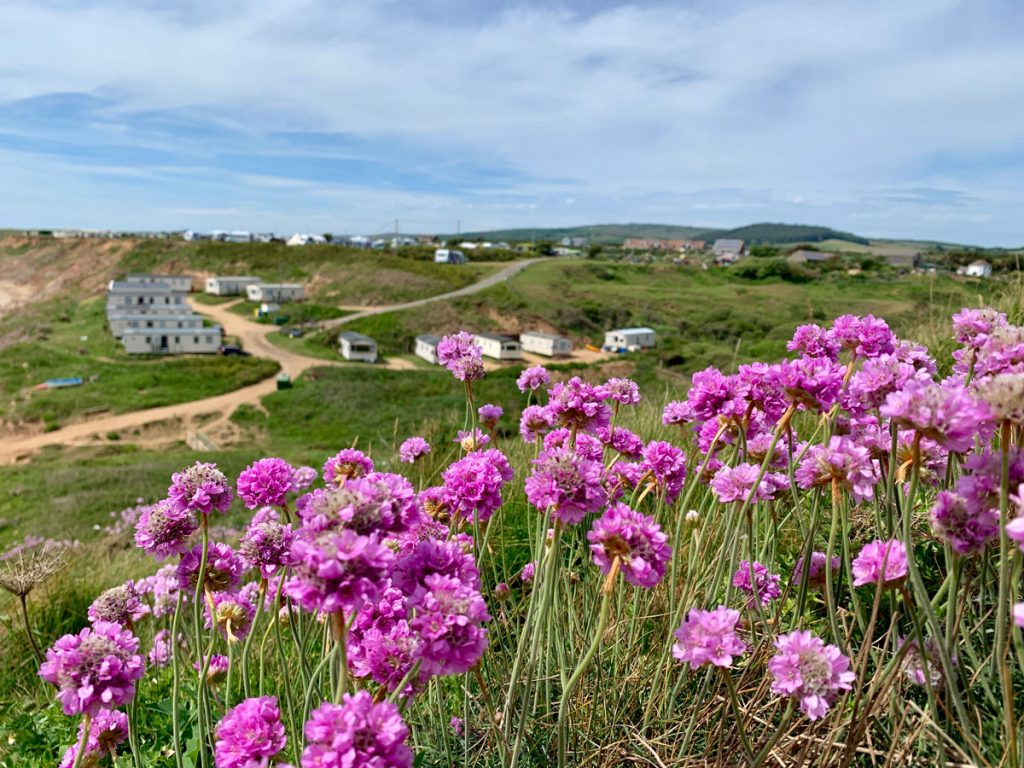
<point x="28" y="629"/>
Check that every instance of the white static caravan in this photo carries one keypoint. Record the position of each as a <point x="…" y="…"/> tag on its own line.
<point x="229" y="286"/>
<point x="181" y="283"/>
<point x="547" y="344"/>
<point x="629" y="339"/>
<point x="276" y="292"/>
<point x="499" y="347"/>
<point x="127" y="296"/>
<point x="426" y="348"/>
<point x="181" y="341"/>
<point x="124" y="321"/>
<point x="449" y="256"/>
<point x="356" y="347"/>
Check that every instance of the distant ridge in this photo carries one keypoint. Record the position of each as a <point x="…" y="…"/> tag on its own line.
<point x="765" y="232"/>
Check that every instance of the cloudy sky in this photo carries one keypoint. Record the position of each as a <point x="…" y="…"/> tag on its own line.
<point x="900" y="119"/>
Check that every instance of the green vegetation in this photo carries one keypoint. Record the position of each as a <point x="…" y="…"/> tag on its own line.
<point x="296" y="312"/>
<point x="59" y="339"/>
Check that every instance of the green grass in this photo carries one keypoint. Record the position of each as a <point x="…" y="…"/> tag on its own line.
<point x="59" y="339"/>
<point x="297" y="312"/>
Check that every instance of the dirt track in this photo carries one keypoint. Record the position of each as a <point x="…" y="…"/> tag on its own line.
<point x="254" y="339"/>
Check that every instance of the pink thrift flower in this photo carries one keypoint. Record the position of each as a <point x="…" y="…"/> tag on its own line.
<point x="490" y="415"/>
<point x="842" y="461"/>
<point x="250" y="734"/>
<point x="266" y="483"/>
<point x="460" y="354"/>
<point x="709" y="637"/>
<point x="533" y="378"/>
<point x="881" y="562"/>
<point x="809" y="671"/>
<point x="412" y="449"/>
<point x="635" y="539"/>
<point x="578" y="404"/>
<point x="164" y="529"/>
<point x="762" y="589"/>
<point x="200" y="488"/>
<point x="567" y="485"/>
<point x="535" y="421"/>
<point x="947" y="414"/>
<point x="346" y="463"/>
<point x="356" y="734"/>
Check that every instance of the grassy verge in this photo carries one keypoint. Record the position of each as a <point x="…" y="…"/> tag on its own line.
<point x="297" y="312"/>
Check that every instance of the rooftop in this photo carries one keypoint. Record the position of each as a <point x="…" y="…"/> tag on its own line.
<point x="429" y="338"/>
<point x="631" y="330"/>
<point x="353" y="336"/>
<point x="541" y="335"/>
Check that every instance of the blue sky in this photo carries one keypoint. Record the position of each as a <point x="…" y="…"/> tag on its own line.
<point x="898" y="119"/>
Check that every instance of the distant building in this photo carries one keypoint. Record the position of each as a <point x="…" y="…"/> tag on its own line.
<point x="357" y="347"/>
<point x="356" y="241"/>
<point x="499" y="347"/>
<point x="903" y="260"/>
<point x="238" y="236"/>
<point x="449" y="256"/>
<point x="426" y="347"/>
<point x="120" y="322"/>
<point x="693" y="245"/>
<point x="977" y="268"/>
<point x="190" y="235"/>
<point x="305" y="239"/>
<point x="803" y="256"/>
<point x="629" y="339"/>
<point x="179" y="341"/>
<point x="122" y="295"/>
<point x="641" y="244"/>
<point x="547" y="344"/>
<point x="181" y="283"/>
<point x="573" y="242"/>
<point x="276" y="292"/>
<point x="558" y="250"/>
<point x="728" y="251"/>
<point x="229" y="286"/>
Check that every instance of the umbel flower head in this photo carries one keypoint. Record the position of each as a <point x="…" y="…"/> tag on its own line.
<point x="448" y="620"/>
<point x="120" y="605"/>
<point x="28" y="567"/>
<point x="535" y="421"/>
<point x="346" y="464"/>
<point x="412" y="449"/>
<point x="763" y="587"/>
<point x="635" y="539"/>
<point x="95" y="669"/>
<point x="223" y="568"/>
<point x="460" y="354"/>
<point x="533" y="378"/>
<point x="881" y="562"/>
<point x="337" y="569"/>
<point x="217" y="671"/>
<point x="356" y="734"/>
<point x="567" y="484"/>
<point x="233" y="615"/>
<point x="164" y="529"/>
<point x="108" y="729"/>
<point x="267" y="543"/>
<point x="577" y="404"/>
<point x="709" y="637"/>
<point x="667" y="466"/>
<point x="809" y="671"/>
<point x="490" y="415"/>
<point x="473" y="484"/>
<point x="843" y="462"/>
<point x="945" y="413"/>
<point x="250" y="734"/>
<point x="200" y="488"/>
<point x="266" y="483"/>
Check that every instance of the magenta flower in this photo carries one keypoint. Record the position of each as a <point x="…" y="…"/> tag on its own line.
<point x="526" y="575"/>
<point x="250" y="734"/>
<point x="755" y="386"/>
<point x="119" y="605"/>
<point x="200" y="488"/>
<point x="866" y="336"/>
<point x="267" y="543"/>
<point x="160" y="653"/>
<point x="109" y="729"/>
<point x="472" y="440"/>
<point x="814" y="341"/>
<point x="623" y="391"/>
<point x="624" y="443"/>
<point x="972" y="327"/>
<point x="448" y="618"/>
<point x="877" y="379"/>
<point x="345" y="464"/>
<point x="709" y="637"/>
<point x="337" y="569"/>
<point x="575" y="403"/>
<point x="233" y="614"/>
<point x="386" y="653"/>
<point x="736" y="483"/>
<point x="843" y="462"/>
<point x="165" y="529"/>
<point x="356" y="734"/>
<point x="1004" y="394"/>
<point x="763" y="586"/>
<point x="533" y="379"/>
<point x="460" y="354"/>
<point x="95" y="669"/>
<point x="452" y="557"/>
<point x="816" y="571"/>
<point x="1018" y="614"/>
<point x="162" y="587"/>
<point x="566" y="484"/>
<point x="678" y="412"/>
<point x="412" y="449"/>
<point x="587" y="446"/>
<point x="635" y="539"/>
<point x="813" y="383"/>
<point x="947" y="414"/>
<point x="473" y="484"/>
<point x="667" y="466"/>
<point x="967" y="528"/>
<point x="223" y="568"/>
<point x="881" y="562"/>
<point x="490" y="415"/>
<point x="377" y="503"/>
<point x="266" y="483"/>
<point x="302" y="478"/>
<point x="536" y="420"/>
<point x="809" y="671"/>
<point x="217" y="672"/>
<point x="457" y="725"/>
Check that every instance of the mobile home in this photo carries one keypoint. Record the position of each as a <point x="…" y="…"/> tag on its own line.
<point x="426" y="347"/>
<point x="229" y="286"/>
<point x="629" y="339"/>
<point x="357" y="347"/>
<point x="547" y="344"/>
<point x="499" y="347"/>
<point x="122" y="295"/>
<point x="181" y="283"/>
<point x="276" y="292"/>
<point x="449" y="256"/>
<point x="179" y="341"/>
<point x="123" y="321"/>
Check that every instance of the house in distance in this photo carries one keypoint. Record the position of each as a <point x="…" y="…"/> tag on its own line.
<point x="499" y="347"/>
<point x="277" y="292"/>
<point x="426" y="347"/>
<point x="547" y="344"/>
<point x="629" y="339"/>
<point x="449" y="256"/>
<point x="357" y="347"/>
<point x="229" y="286"/>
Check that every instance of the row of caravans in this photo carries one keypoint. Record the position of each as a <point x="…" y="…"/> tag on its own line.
<point x="540" y="343"/>
<point x="254" y="289"/>
<point x="149" y="314"/>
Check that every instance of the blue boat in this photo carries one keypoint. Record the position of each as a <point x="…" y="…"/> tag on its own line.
<point x="73" y="381"/>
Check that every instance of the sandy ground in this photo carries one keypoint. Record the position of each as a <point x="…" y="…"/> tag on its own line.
<point x="11" y="295"/>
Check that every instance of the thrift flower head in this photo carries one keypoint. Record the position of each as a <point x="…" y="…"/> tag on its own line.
<point x="736" y="483"/>
<point x="1004" y="394"/>
<point x="449" y="615"/>
<point x="460" y="354"/>
<point x="667" y="465"/>
<point x="160" y="653"/>
<point x="267" y="543"/>
<point x="200" y="488"/>
<point x="843" y="462"/>
<point x="947" y="414"/>
<point x="473" y="484"/>
<point x="587" y="446"/>
<point x="813" y="383"/>
<point x="866" y="336"/>
<point x="966" y="528"/>
<point x="379" y="502"/>
<point x="922" y="668"/>
<point x="250" y="734"/>
<point x="302" y="478"/>
<point x="623" y="391"/>
<point x="95" y="669"/>
<point x="165" y="529"/>
<point x="578" y="404"/>
<point x="809" y="671"/>
<point x="624" y="442"/>
<point x="108" y="729"/>
<point x="881" y="562"/>
<point x="472" y="440"/>
<point x="266" y="483"/>
<point x="536" y="420"/>
<point x="162" y="587"/>
<point x="877" y="379"/>
<point x="816" y="571"/>
<point x="233" y="614"/>
<point x="709" y="637"/>
<point x="412" y="449"/>
<point x="814" y="341"/>
<point x="217" y="672"/>
<point x="452" y="557"/>
<point x="346" y="463"/>
<point x="356" y="734"/>
<point x="678" y="412"/>
<point x="223" y="568"/>
<point x="526" y="575"/>
<point x="386" y="652"/>
<point x="490" y="415"/>
<point x="120" y="605"/>
<point x="337" y="569"/>
<point x="567" y="484"/>
<point x="635" y="539"/>
<point x="973" y="326"/>
<point x="762" y="586"/>
<point x="533" y="378"/>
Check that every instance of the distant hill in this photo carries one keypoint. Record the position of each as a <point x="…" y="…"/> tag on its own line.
<point x="616" y="233"/>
